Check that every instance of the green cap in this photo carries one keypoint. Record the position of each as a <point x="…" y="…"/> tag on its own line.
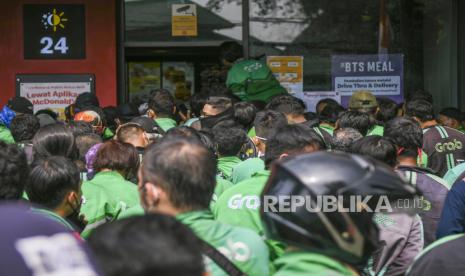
<point x="362" y="99"/>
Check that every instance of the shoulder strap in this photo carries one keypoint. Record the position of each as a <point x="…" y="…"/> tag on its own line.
<point x="229" y="267"/>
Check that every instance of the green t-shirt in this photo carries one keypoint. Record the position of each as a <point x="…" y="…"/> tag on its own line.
<point x="5" y="135"/>
<point x="454" y="173"/>
<point x="242" y="246"/>
<point x="166" y="123"/>
<point x="307" y="263"/>
<point x="105" y="197"/>
<point x="253" y="80"/>
<point x="240" y="206"/>
<point x="221" y="186"/>
<point x="246" y="169"/>
<point x="376" y="130"/>
<point x="226" y="165"/>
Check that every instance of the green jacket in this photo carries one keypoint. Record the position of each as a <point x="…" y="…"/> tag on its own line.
<point x="134" y="211"/>
<point x="51" y="215"/>
<point x="246" y="169"/>
<point x="240" y="206"/>
<point x="105" y="197"/>
<point x="327" y="128"/>
<point x="306" y="263"/>
<point x="166" y="123"/>
<point x="252" y="132"/>
<point x="5" y="135"/>
<point x="242" y="246"/>
<point x="252" y="80"/>
<point x="107" y="134"/>
<point x="221" y="186"/>
<point x="376" y="130"/>
<point x="226" y="165"/>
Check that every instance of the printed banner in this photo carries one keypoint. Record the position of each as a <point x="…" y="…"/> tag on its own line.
<point x="289" y="71"/>
<point x="184" y="20"/>
<point x="383" y="75"/>
<point x="311" y="98"/>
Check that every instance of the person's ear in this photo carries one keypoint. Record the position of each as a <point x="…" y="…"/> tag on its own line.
<point x="151" y="114"/>
<point x="283" y="156"/>
<point x="72" y="198"/>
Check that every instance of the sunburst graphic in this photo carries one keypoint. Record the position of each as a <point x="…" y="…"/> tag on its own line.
<point x="54" y="20"/>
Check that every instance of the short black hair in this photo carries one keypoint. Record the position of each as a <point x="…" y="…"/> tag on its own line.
<point x="378" y="148"/>
<point x="331" y="113"/>
<point x="267" y="121"/>
<point x="185" y="169"/>
<point x="80" y="128"/>
<point x="221" y="103"/>
<point x="405" y="133"/>
<point x="244" y="114"/>
<point x="291" y="139"/>
<point x="231" y="51"/>
<point x="229" y="140"/>
<point x="357" y="120"/>
<point x="343" y="139"/>
<point x="50" y="180"/>
<point x="327" y="101"/>
<point x="420" y="109"/>
<point x="153" y="244"/>
<point x="55" y="139"/>
<point x="84" y="142"/>
<point x="287" y="104"/>
<point x="13" y="172"/>
<point x="181" y="132"/>
<point x="48" y="112"/>
<point x="419" y="95"/>
<point x="24" y="127"/>
<point x="451" y="112"/>
<point x="207" y="139"/>
<point x="162" y="103"/>
<point x="196" y="102"/>
<point x="387" y="109"/>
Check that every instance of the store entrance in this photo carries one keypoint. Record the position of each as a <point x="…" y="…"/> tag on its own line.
<point x="181" y="70"/>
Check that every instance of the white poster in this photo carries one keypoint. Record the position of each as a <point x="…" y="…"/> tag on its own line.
<point x="311" y="98"/>
<point x="55" y="96"/>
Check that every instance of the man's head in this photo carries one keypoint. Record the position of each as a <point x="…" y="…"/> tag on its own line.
<point x="153" y="244"/>
<point x="116" y="156"/>
<point x="216" y="105"/>
<point x="407" y="135"/>
<point x="230" y="52"/>
<point x="244" y="114"/>
<point x="291" y="140"/>
<point x="343" y="139"/>
<point x="161" y="104"/>
<point x="84" y="142"/>
<point x="13" y="172"/>
<point x="420" y="110"/>
<point x="54" y="140"/>
<point x="133" y="134"/>
<point x="54" y="183"/>
<point x="363" y="101"/>
<point x="86" y="100"/>
<point x="450" y="117"/>
<point x="229" y="140"/>
<point x="323" y="103"/>
<point x="331" y="113"/>
<point x="20" y="105"/>
<point x="388" y="109"/>
<point x="196" y="102"/>
<point x="293" y="108"/>
<point x="360" y="121"/>
<point x="177" y="176"/>
<point x="308" y="182"/>
<point x="378" y="148"/>
<point x="266" y="122"/>
<point x="24" y="127"/>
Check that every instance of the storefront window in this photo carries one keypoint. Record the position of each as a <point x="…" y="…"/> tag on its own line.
<point x="423" y="31"/>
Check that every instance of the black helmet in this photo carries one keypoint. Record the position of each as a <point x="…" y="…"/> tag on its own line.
<point x="350" y="237"/>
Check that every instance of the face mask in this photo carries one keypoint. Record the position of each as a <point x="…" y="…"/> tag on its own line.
<point x="77" y="220"/>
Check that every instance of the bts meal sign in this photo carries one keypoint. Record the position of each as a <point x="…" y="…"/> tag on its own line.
<point x="380" y="74"/>
<point x="46" y="92"/>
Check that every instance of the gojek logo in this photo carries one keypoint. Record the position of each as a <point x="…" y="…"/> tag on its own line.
<point x="448" y="146"/>
<point x="53" y="20"/>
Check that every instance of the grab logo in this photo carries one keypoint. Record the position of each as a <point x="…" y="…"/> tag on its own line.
<point x="448" y="146"/>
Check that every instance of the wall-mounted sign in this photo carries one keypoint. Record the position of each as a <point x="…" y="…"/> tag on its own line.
<point x="311" y="98"/>
<point x="53" y="92"/>
<point x="383" y="75"/>
<point x="54" y="31"/>
<point x="184" y="20"/>
<point x="289" y="71"/>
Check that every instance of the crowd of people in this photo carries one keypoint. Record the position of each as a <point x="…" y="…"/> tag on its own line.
<point x="216" y="188"/>
<point x="149" y="190"/>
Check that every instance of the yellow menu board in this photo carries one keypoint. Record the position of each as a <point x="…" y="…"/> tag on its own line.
<point x="184" y="20"/>
<point x="289" y="71"/>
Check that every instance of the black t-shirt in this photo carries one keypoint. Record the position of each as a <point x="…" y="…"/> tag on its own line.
<point x="444" y="257"/>
<point x="444" y="147"/>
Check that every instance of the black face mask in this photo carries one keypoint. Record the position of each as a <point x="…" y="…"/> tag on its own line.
<point x="78" y="221"/>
